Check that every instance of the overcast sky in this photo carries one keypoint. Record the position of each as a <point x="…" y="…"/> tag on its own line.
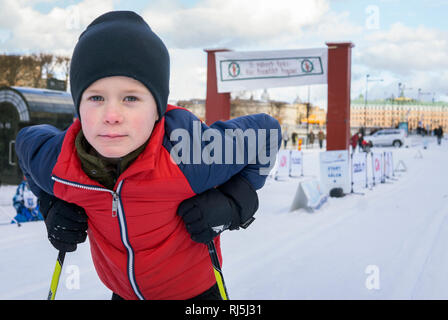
<point x="395" y="40"/>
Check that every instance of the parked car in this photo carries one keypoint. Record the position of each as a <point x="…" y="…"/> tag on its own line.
<point x="388" y="137"/>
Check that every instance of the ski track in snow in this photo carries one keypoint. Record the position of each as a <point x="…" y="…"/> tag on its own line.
<point x="400" y="226"/>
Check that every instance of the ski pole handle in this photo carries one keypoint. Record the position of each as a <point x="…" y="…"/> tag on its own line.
<point x="217" y="270"/>
<point x="56" y="275"/>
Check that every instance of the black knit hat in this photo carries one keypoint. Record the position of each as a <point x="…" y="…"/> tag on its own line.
<point x="120" y="43"/>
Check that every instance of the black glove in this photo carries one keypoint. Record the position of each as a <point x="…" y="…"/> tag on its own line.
<point x="66" y="222"/>
<point x="230" y="206"/>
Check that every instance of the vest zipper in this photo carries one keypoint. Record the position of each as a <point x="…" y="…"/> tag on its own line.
<point x="117" y="209"/>
<point x="94" y="188"/>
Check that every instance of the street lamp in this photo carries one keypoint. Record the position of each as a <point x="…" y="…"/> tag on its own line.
<point x="365" y="101"/>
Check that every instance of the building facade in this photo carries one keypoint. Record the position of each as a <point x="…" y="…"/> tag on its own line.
<point x="389" y="113"/>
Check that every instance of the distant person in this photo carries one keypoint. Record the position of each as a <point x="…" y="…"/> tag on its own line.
<point x="25" y="203"/>
<point x="321" y="137"/>
<point x="312" y="136"/>
<point x="366" y="146"/>
<point x="285" y="137"/>
<point x="294" y="138"/>
<point x="439" y="133"/>
<point x="360" y="140"/>
<point x="354" y="141"/>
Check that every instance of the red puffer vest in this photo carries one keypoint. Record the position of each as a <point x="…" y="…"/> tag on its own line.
<point x="140" y="246"/>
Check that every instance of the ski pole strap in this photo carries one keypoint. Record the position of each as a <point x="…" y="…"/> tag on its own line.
<point x="56" y="275"/>
<point x="217" y="270"/>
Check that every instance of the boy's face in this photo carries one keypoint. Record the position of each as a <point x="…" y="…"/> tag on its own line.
<point x="117" y="115"/>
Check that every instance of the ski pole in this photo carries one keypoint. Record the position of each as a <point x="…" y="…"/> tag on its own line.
<point x="56" y="275"/>
<point x="217" y="270"/>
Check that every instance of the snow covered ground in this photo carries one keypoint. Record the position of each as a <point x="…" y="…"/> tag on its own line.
<point x="390" y="243"/>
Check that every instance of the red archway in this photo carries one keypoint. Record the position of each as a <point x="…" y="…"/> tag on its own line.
<point x="217" y="105"/>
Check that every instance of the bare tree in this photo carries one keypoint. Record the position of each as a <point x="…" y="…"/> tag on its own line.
<point x="64" y="62"/>
<point x="30" y="74"/>
<point x="48" y="64"/>
<point x="3" y="69"/>
<point x="11" y="66"/>
<point x="38" y="69"/>
<point x="29" y="70"/>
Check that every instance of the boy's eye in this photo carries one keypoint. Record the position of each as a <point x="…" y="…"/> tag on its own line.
<point x="131" y="98"/>
<point x="95" y="98"/>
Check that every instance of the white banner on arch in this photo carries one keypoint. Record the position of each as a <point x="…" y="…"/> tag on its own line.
<point x="252" y="70"/>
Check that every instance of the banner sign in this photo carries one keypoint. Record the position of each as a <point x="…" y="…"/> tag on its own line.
<point x="283" y="164"/>
<point x="359" y="168"/>
<point x="296" y="163"/>
<point x="377" y="167"/>
<point x="237" y="71"/>
<point x="334" y="170"/>
<point x="309" y="195"/>
<point x="388" y="164"/>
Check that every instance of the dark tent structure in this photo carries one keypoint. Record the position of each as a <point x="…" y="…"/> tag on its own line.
<point x="21" y="107"/>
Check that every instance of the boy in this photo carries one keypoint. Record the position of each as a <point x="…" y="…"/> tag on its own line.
<point x="148" y="204"/>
